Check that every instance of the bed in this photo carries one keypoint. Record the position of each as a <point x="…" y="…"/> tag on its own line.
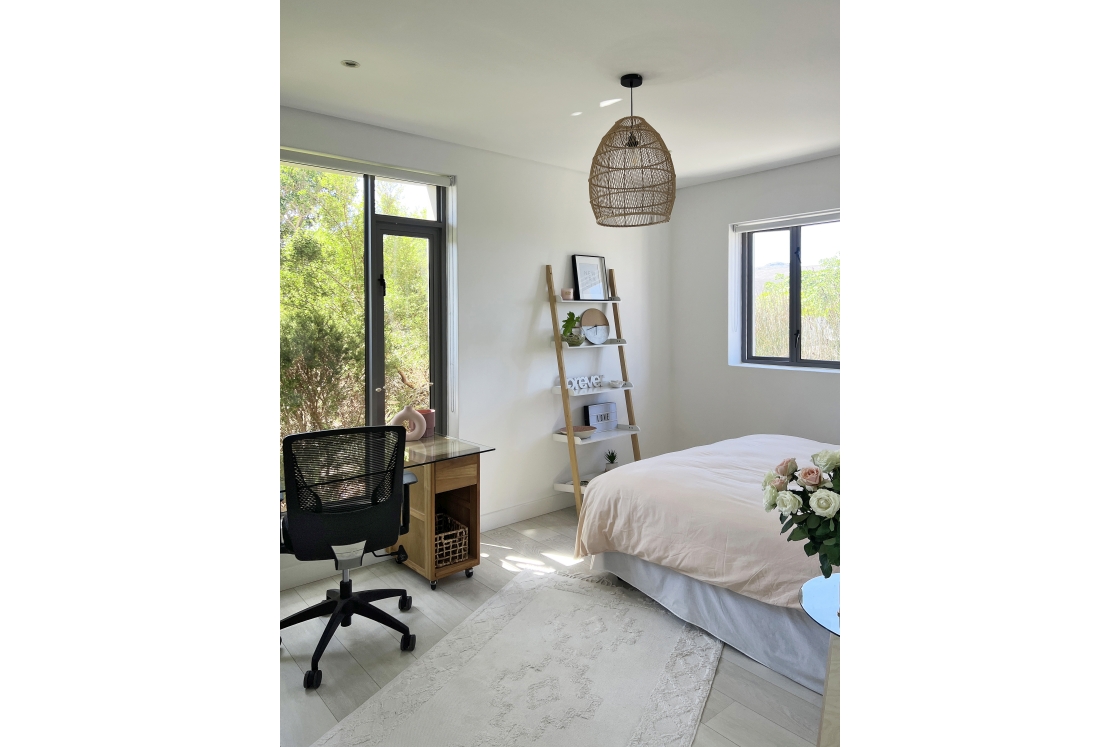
<point x="689" y="530"/>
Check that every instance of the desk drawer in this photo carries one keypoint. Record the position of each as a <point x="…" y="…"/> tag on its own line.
<point x="456" y="473"/>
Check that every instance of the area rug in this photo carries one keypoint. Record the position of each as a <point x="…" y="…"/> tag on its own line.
<point x="549" y="660"/>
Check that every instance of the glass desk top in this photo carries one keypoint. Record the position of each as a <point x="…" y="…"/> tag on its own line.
<point x="434" y="449"/>
<point x="820" y="598"/>
<point x="438" y="448"/>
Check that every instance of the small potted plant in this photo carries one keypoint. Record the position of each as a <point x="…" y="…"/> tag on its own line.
<point x="568" y="333"/>
<point x="612" y="461"/>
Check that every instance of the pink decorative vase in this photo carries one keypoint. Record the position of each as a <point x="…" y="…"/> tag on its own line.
<point x="430" y="419"/>
<point x="414" y="423"/>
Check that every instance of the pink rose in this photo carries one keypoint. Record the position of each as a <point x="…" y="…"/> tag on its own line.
<point x="779" y="483"/>
<point x="810" y="477"/>
<point x="787" y="467"/>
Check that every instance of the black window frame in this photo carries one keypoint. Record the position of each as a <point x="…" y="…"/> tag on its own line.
<point x="377" y="225"/>
<point x="794" y="359"/>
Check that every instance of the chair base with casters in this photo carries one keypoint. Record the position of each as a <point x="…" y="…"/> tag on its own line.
<point x="341" y="605"/>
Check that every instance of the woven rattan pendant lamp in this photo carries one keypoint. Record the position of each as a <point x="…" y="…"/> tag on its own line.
<point x="632" y="180"/>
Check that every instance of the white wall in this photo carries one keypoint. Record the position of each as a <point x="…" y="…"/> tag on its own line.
<point x="711" y="399"/>
<point x="514" y="217"/>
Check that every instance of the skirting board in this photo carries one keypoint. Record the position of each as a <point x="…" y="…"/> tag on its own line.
<point x="296" y="573"/>
<point x="523" y="511"/>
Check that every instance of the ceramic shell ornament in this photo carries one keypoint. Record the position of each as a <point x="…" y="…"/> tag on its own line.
<point x="413" y="422"/>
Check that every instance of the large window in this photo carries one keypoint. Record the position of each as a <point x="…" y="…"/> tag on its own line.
<point x="361" y="299"/>
<point x="791" y="295"/>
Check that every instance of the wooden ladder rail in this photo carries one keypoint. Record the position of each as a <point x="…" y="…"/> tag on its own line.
<point x="564" y="388"/>
<point x="622" y="363"/>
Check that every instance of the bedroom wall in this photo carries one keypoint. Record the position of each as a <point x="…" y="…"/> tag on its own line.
<point x="514" y="217"/>
<point x="711" y="399"/>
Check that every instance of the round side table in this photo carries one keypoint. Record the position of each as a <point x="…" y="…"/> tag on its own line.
<point x="820" y="598"/>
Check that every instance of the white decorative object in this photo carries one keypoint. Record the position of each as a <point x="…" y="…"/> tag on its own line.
<point x="596" y="329"/>
<point x="582" y="382"/>
<point x="414" y="423"/>
<point x="570" y="382"/>
<point x="596" y="380"/>
<point x="616" y="384"/>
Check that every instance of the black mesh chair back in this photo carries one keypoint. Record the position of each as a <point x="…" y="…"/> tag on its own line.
<point x="344" y="486"/>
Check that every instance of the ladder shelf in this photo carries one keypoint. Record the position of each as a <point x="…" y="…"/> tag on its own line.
<point x="623" y="429"/>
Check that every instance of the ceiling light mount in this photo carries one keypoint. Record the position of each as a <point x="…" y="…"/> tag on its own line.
<point x="352" y="64"/>
<point x="631" y="80"/>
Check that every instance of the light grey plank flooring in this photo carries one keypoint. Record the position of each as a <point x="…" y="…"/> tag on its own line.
<point x="749" y="705"/>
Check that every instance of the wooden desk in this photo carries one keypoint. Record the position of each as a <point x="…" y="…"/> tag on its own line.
<point x="447" y="482"/>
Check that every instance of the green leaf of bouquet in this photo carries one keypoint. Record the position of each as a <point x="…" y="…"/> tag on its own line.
<point x="832" y="552"/>
<point x="826" y="570"/>
<point x="813" y="521"/>
<point x="802" y="518"/>
<point x="810" y="549"/>
<point x="832" y="524"/>
<point x="830" y="541"/>
<point x="798" y="534"/>
<point x="788" y="524"/>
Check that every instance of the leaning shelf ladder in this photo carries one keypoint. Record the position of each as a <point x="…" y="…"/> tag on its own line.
<point x="559" y="345"/>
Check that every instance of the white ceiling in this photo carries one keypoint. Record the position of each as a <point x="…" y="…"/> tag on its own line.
<point x="733" y="86"/>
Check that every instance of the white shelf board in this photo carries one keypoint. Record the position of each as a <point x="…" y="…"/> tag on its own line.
<point x="593" y="390"/>
<point x="566" y="487"/>
<point x="588" y="345"/>
<point x="619" y="432"/>
<point x="613" y="300"/>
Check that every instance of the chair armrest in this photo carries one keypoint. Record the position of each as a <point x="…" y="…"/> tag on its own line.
<point x="406" y="511"/>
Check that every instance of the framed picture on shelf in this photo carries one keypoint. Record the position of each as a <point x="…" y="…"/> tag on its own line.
<point x="591" y="277"/>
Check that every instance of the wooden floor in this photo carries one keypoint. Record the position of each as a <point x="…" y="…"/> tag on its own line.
<point x="749" y="706"/>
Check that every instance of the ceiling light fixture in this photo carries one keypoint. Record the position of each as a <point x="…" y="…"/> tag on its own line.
<point x="608" y="102"/>
<point x="576" y="114"/>
<point x="632" y="181"/>
<point x="350" y="63"/>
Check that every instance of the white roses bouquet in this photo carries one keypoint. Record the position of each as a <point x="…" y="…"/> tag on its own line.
<point x="808" y="500"/>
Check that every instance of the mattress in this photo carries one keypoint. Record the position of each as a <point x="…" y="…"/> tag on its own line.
<point x="699" y="512"/>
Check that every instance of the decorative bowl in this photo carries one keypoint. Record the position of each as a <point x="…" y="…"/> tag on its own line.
<point x="578" y="430"/>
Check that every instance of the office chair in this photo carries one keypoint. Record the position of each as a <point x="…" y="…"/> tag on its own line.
<point x="347" y="495"/>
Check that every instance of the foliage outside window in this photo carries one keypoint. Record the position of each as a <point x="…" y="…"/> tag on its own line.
<point x="791" y="296"/>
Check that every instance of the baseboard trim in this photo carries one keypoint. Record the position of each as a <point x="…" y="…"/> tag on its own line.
<point x="524" y="511"/>
<point x="297" y="573"/>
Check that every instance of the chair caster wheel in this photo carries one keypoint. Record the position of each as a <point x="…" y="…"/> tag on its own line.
<point x="433" y="585"/>
<point x="313" y="678"/>
<point x="401" y="555"/>
<point x="408" y="642"/>
<point x="470" y="572"/>
<point x="404" y="604"/>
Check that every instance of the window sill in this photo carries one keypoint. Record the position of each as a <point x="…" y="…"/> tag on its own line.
<point x="786" y="368"/>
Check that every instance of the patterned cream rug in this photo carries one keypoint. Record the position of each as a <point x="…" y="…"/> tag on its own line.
<point x="548" y="660"/>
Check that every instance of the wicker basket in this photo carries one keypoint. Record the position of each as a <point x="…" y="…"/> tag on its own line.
<point x="452" y="543"/>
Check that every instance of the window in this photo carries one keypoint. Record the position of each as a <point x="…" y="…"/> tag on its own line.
<point x="362" y="288"/>
<point x="791" y="295"/>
